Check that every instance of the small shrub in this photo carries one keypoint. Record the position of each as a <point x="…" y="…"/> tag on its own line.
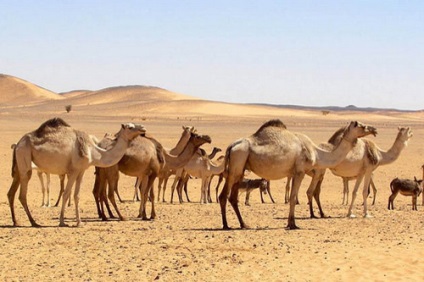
<point x="68" y="108"/>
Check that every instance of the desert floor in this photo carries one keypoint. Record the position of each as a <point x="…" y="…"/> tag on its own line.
<point x="186" y="241"/>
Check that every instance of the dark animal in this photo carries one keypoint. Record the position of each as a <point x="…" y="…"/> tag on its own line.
<point x="405" y="187"/>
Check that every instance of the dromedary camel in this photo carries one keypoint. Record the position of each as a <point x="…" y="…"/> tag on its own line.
<point x="273" y="152"/>
<point x="56" y="148"/>
<point x="45" y="187"/>
<point x="200" y="166"/>
<point x="144" y="158"/>
<point x="166" y="171"/>
<point x="359" y="164"/>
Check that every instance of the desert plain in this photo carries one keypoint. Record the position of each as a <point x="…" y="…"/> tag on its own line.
<point x="186" y="241"/>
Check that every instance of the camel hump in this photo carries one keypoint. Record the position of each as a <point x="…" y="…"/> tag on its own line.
<point x="51" y="123"/>
<point x="83" y="143"/>
<point x="372" y="152"/>
<point x="272" y="123"/>
<point x="158" y="146"/>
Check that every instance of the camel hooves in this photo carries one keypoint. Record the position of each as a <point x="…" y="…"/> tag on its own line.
<point x="292" y="227"/>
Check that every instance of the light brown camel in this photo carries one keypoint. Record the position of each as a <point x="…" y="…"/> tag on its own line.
<point x="55" y="147"/>
<point x="359" y="164"/>
<point x="274" y="152"/>
<point x="45" y="187"/>
<point x="200" y="166"/>
<point x="165" y="172"/>
<point x="144" y="159"/>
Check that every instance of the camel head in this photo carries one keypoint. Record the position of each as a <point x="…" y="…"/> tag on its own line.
<point x="129" y="131"/>
<point x="404" y="134"/>
<point x="189" y="128"/>
<point x="357" y="129"/>
<point x="199" y="140"/>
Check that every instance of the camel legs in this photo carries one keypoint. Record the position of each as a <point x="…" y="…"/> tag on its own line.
<point x="62" y="188"/>
<point x="45" y="189"/>
<point x="268" y="188"/>
<point x="374" y="189"/>
<point x="229" y="182"/>
<point x="66" y="195"/>
<point x="113" y="186"/>
<point x="22" y="198"/>
<point x="367" y="179"/>
<point x="314" y="190"/>
<point x="391" y="199"/>
<point x="146" y="190"/>
<point x="287" y="191"/>
<point x="221" y="177"/>
<point x="297" y="180"/>
<point x="345" y="191"/>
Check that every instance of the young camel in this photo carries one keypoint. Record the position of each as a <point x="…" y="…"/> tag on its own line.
<point x="199" y="166"/>
<point x="273" y="152"/>
<point x="405" y="187"/>
<point x="143" y="160"/>
<point x="359" y="164"/>
<point x="55" y="147"/>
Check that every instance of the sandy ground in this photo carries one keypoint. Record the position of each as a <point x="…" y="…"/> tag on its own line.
<point x="186" y="242"/>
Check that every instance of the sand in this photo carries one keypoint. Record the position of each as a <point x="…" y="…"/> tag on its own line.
<point x="186" y="241"/>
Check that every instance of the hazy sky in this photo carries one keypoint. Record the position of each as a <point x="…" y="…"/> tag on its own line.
<point x="312" y="53"/>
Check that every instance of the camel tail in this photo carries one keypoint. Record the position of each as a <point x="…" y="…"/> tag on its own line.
<point x="14" y="162"/>
<point x="392" y="184"/>
<point x="228" y="154"/>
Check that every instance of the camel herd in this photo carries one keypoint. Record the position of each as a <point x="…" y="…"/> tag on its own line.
<point x="272" y="152"/>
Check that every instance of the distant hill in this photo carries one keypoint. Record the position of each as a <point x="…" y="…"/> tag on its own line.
<point x="120" y="94"/>
<point x="16" y="90"/>
<point x="335" y="108"/>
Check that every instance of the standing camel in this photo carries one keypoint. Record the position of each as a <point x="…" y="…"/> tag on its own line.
<point x="273" y="152"/>
<point x="55" y="147"/>
<point x="200" y="166"/>
<point x="359" y="164"/>
<point x="144" y="159"/>
<point x="45" y="188"/>
<point x="166" y="171"/>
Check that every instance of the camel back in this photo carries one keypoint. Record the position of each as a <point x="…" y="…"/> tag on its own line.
<point x="372" y="152"/>
<point x="271" y="123"/>
<point x="158" y="146"/>
<point x="49" y="124"/>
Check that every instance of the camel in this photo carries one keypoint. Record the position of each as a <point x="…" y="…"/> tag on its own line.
<point x="359" y="164"/>
<point x="56" y="148"/>
<point x="144" y="158"/>
<point x="273" y="152"/>
<point x="45" y="188"/>
<point x="165" y="172"/>
<point x="199" y="166"/>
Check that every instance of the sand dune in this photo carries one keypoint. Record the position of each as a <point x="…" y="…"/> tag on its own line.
<point x="15" y="90"/>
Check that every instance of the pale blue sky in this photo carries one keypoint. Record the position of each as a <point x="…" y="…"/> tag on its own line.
<point x="311" y="53"/>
